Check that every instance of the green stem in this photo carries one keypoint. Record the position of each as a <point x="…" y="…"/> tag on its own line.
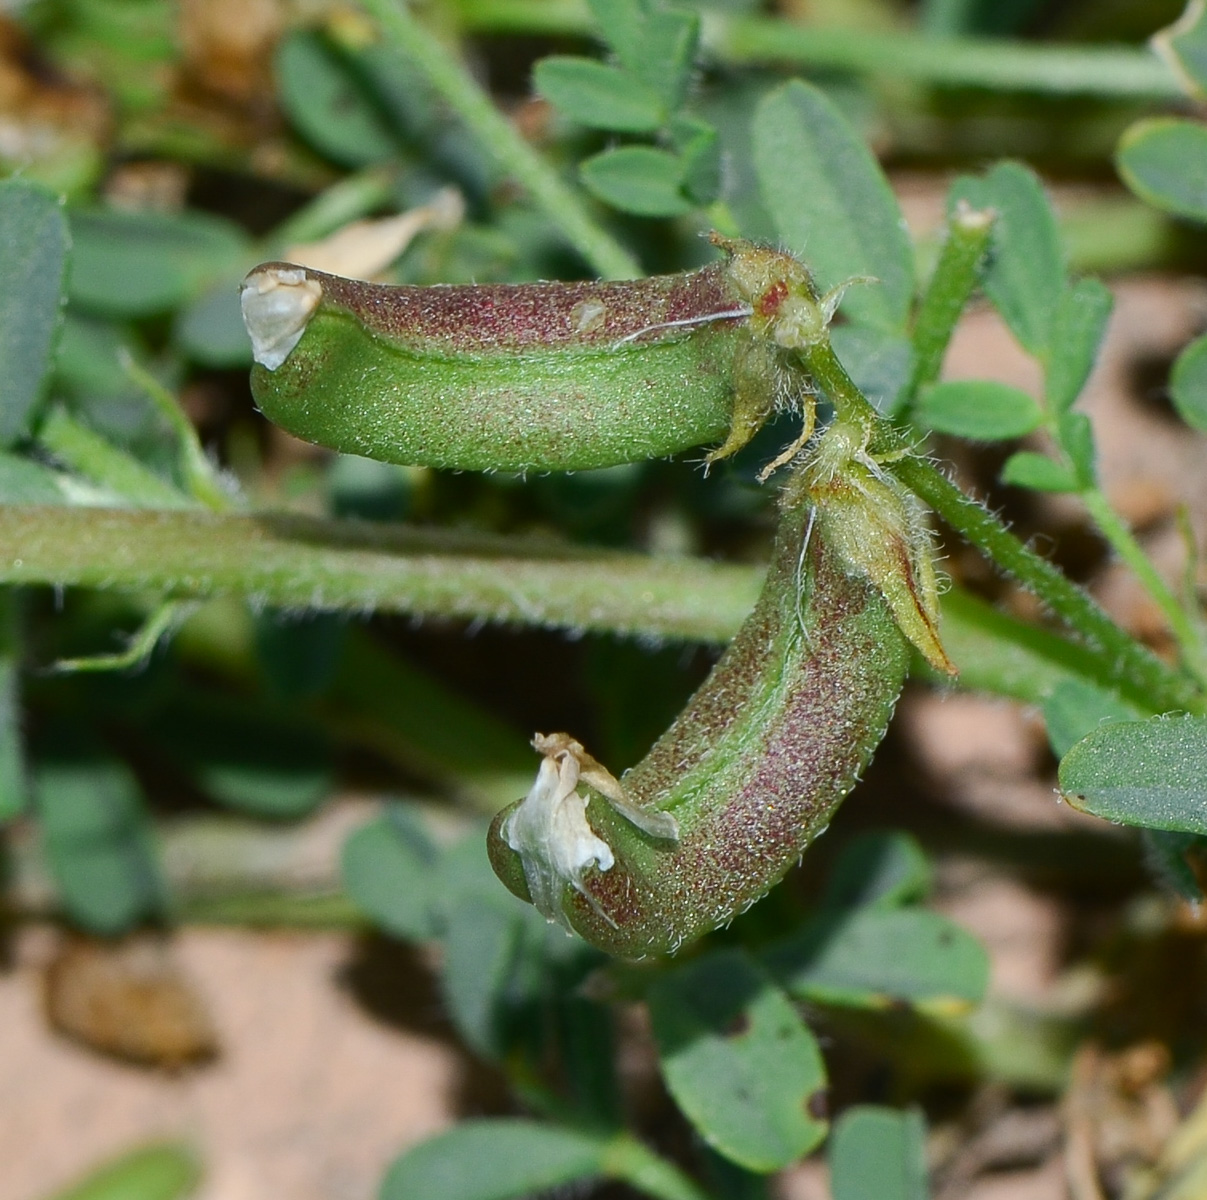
<point x="849" y="402"/>
<point x="1000" y="63"/>
<point x="955" y="276"/>
<point x="629" y="1160"/>
<point x="953" y="62"/>
<point x="200" y="475"/>
<point x="163" y="620"/>
<point x="101" y="462"/>
<point x="1131" y="663"/>
<point x="305" y="563"/>
<point x="499" y="137"/>
<point x="1125" y="545"/>
<point x="12" y="754"/>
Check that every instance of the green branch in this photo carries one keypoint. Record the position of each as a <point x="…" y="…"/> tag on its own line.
<point x="998" y="63"/>
<point x="1116" y="532"/>
<point x="500" y="138"/>
<point x="1130" y="663"/>
<point x="951" y="285"/>
<point x="306" y="563"/>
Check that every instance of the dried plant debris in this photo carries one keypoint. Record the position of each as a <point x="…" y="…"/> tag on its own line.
<point x="129" y="999"/>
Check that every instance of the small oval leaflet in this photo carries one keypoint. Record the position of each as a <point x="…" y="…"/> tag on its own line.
<point x="1150" y="773"/>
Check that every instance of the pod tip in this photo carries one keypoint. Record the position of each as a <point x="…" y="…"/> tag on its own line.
<point x="277" y="302"/>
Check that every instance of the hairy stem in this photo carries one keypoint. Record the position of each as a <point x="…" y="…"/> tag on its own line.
<point x="306" y="563"/>
<point x="955" y="276"/>
<point x="1130" y="661"/>
<point x="500" y="138"/>
<point x="1116" y="532"/>
<point x="953" y="61"/>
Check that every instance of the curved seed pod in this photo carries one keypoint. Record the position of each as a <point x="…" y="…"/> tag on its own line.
<point x="740" y="784"/>
<point x="534" y="376"/>
<point x="547" y="376"/>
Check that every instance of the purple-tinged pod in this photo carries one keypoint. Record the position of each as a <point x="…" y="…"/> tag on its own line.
<point x="746" y="777"/>
<point x="534" y="376"/>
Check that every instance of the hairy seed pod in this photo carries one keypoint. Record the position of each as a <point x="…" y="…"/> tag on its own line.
<point x="533" y="376"/>
<point x="741" y="783"/>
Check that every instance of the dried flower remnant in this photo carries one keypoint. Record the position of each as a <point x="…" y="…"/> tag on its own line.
<point x="549" y="829"/>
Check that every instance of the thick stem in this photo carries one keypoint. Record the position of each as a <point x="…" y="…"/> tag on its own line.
<point x="952" y="61"/>
<point x="955" y="276"/>
<point x="500" y="138"/>
<point x="1130" y="661"/>
<point x="305" y="563"/>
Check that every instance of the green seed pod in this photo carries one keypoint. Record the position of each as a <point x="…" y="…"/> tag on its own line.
<point x="535" y="376"/>
<point x="741" y="783"/>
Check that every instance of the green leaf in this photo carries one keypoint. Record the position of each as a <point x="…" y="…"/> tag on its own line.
<point x="831" y="203"/>
<point x="88" y="360"/>
<point x="23" y="481"/>
<point x="1188" y="384"/>
<point x="880" y="1153"/>
<point x="1076" y="708"/>
<point x="738" y="1060"/>
<point x="34" y="246"/>
<point x="1039" y="472"/>
<point x="1151" y="773"/>
<point x="981" y="409"/>
<point x="1025" y="276"/>
<point x="482" y="942"/>
<point x="12" y="751"/>
<point x="656" y="45"/>
<point x="1164" y="161"/>
<point x="1076" y="436"/>
<point x="133" y="264"/>
<point x="883" y="868"/>
<point x="327" y="101"/>
<point x="1165" y="857"/>
<point x="638" y="179"/>
<point x="167" y="1171"/>
<point x="246" y="758"/>
<point x="699" y="146"/>
<point x="1078" y="329"/>
<point x="493" y="1159"/>
<point x="300" y="655"/>
<point x="97" y="837"/>
<point x="872" y="956"/>
<point x="1184" y="46"/>
<point x="386" y="868"/>
<point x="597" y="95"/>
<point x="96" y="459"/>
<point x="210" y="329"/>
